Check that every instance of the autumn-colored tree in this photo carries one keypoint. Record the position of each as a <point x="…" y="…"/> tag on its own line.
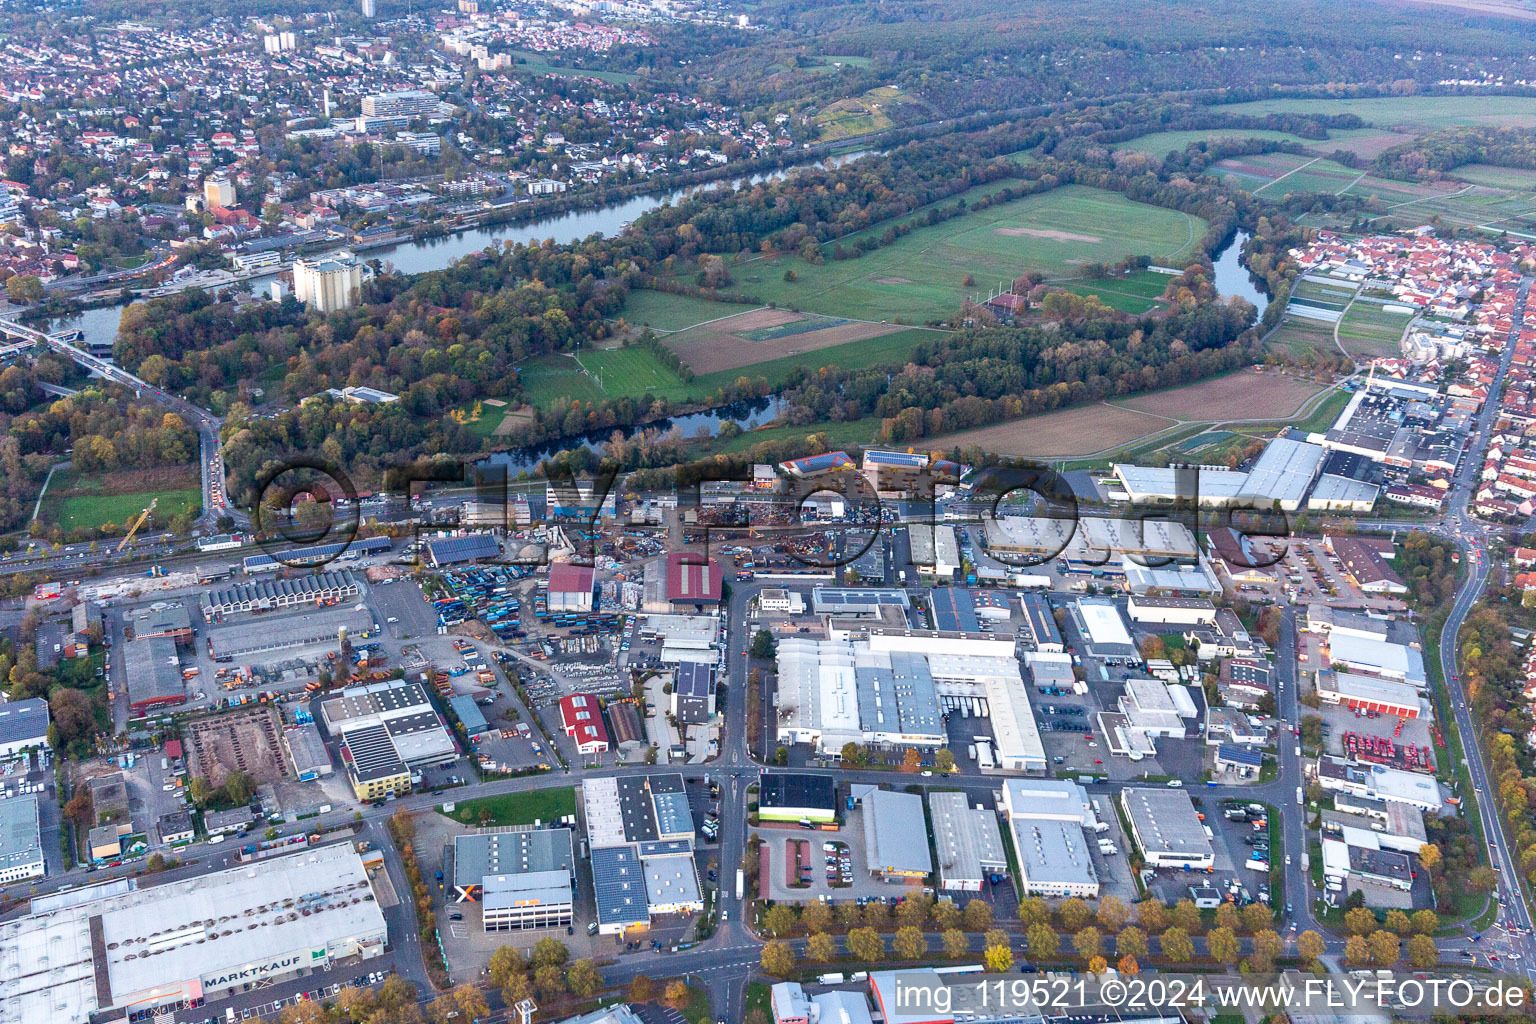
<point x="356" y="1003"/>
<point x="998" y="958"/>
<point x="776" y="958"/>
<point x="1310" y="946"/>
<point x="1397" y="921"/>
<point x="817" y="916"/>
<point x="1043" y="941"/>
<point x="877" y="914"/>
<point x="506" y="960"/>
<point x="1360" y="921"/>
<point x="519" y="986"/>
<point x="1357" y="951"/>
<point x="1429" y="856"/>
<point x="641" y="989"/>
<point x="582" y="976"/>
<point x="913" y="911"/>
<point x="307" y="1012"/>
<point x="1128" y="965"/>
<point x="1176" y="945"/>
<point x="1267" y="946"/>
<point x="1422" y="952"/>
<point x="909" y="943"/>
<point x="978" y="916"/>
<point x="912" y="760"/>
<point x="1426" y="922"/>
<point x="866" y="944"/>
<point x="850" y="914"/>
<point x="1222" y="945"/>
<point x="955" y="943"/>
<point x="548" y="981"/>
<point x="1227" y="916"/>
<point x="550" y="951"/>
<point x="1152" y="915"/>
<point x="779" y="920"/>
<point x="1185" y="915"/>
<point x="945" y="914"/>
<point x="1386" y="947"/>
<point x="471" y="1001"/>
<point x="1112" y="914"/>
<point x="1033" y="910"/>
<point x="1256" y="917"/>
<point x="820" y="947"/>
<point x="677" y="993"/>
<point x="1088" y="943"/>
<point x="1073" y="914"/>
<point x="1131" y="940"/>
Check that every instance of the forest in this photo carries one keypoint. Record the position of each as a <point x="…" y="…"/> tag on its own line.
<point x="1437" y="154"/>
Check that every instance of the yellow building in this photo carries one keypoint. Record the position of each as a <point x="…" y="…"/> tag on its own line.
<point x="374" y="766"/>
<point x="219" y="193"/>
<point x="326" y="285"/>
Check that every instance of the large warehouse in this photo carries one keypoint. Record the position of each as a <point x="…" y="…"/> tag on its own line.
<point x="1378" y="658"/>
<point x="1047" y="819"/>
<point x="895" y="834"/>
<point x="21" y="839"/>
<point x="520" y="879"/>
<point x="1367" y="693"/>
<point x="640" y="829"/>
<point x="1103" y="629"/>
<point x="318" y="589"/>
<point x="790" y="796"/>
<point x="153" y="671"/>
<point x="1167" y="828"/>
<point x="120" y="948"/>
<point x="247" y="638"/>
<point x="387" y="729"/>
<point x="23" y="726"/>
<point x="891" y="688"/>
<point x="966" y="840"/>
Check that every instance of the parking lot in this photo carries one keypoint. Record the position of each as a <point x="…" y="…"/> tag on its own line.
<point x="401" y="600"/>
<point x="1231" y="842"/>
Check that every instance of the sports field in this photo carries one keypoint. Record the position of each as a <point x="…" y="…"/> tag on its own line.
<point x="1134" y="293"/>
<point x="921" y="276"/>
<point x="91" y="502"/>
<point x="598" y="374"/>
<point x="1241" y="395"/>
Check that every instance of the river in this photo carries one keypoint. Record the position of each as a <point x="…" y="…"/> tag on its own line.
<point x="1232" y="278"/>
<point x="100" y="325"/>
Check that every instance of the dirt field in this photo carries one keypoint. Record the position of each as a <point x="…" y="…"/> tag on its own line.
<point x="711" y="349"/>
<point x="757" y="319"/>
<point x="241" y="740"/>
<point x="1243" y="395"/>
<point x="1055" y="236"/>
<point x="1082" y="431"/>
<point x="1366" y="147"/>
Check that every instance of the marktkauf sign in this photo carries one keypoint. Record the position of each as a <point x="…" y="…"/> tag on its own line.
<point x="256" y="971"/>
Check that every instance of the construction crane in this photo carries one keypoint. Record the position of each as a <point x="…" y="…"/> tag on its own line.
<point x="138" y="523"/>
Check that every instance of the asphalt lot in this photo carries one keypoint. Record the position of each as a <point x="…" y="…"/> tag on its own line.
<point x="401" y="599"/>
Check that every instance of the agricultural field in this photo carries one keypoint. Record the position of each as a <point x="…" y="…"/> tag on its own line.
<point x="1296" y="337"/>
<point x="1368" y="330"/>
<point x="1240" y="395"/>
<point x="1411" y="115"/>
<point x="77" y="502"/>
<point x="1083" y="430"/>
<point x="1160" y="144"/>
<point x="1322" y="295"/>
<point x="921" y="276"/>
<point x="861" y="115"/>
<point x="1516" y="178"/>
<point x="770" y="335"/>
<point x="663" y="311"/>
<point x="1276" y="174"/>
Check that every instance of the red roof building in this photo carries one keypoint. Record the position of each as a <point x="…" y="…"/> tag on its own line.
<point x="582" y="720"/>
<point x="692" y="579"/>
<point x="570" y="587"/>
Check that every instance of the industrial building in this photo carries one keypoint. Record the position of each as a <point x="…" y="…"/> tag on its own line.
<point x="1042" y="623"/>
<point x="469" y="715"/>
<point x="306" y="751"/>
<point x="169" y="620"/>
<point x="1378" y="782"/>
<point x="899" y="475"/>
<point x="315" y="555"/>
<point x="1181" y="611"/>
<point x="1152" y="485"/>
<point x="245" y="639"/>
<point x="850" y="602"/>
<point x="570" y="588"/>
<point x="318" y="589"/>
<point x="641" y="834"/>
<point x="693" y="692"/>
<point x="1103" y="630"/>
<point x="387" y="730"/>
<point x="1047" y="820"/>
<point x="692" y="580"/>
<point x="1167" y="828"/>
<point x="966" y="840"/>
<point x="521" y="879"/>
<point x="581" y="718"/>
<point x="1380" y="658"/>
<point x="1367" y="693"/>
<point x="1284" y="472"/>
<point x="935" y="550"/>
<point x="153" y="671"/>
<point x="787" y="796"/>
<point x="1090" y="543"/>
<point x="781" y="600"/>
<point x="953" y="610"/>
<point x="469" y="547"/>
<point x="117" y="948"/>
<point x="21" y="839"/>
<point x="23" y="726"/>
<point x="895" y="834"/>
